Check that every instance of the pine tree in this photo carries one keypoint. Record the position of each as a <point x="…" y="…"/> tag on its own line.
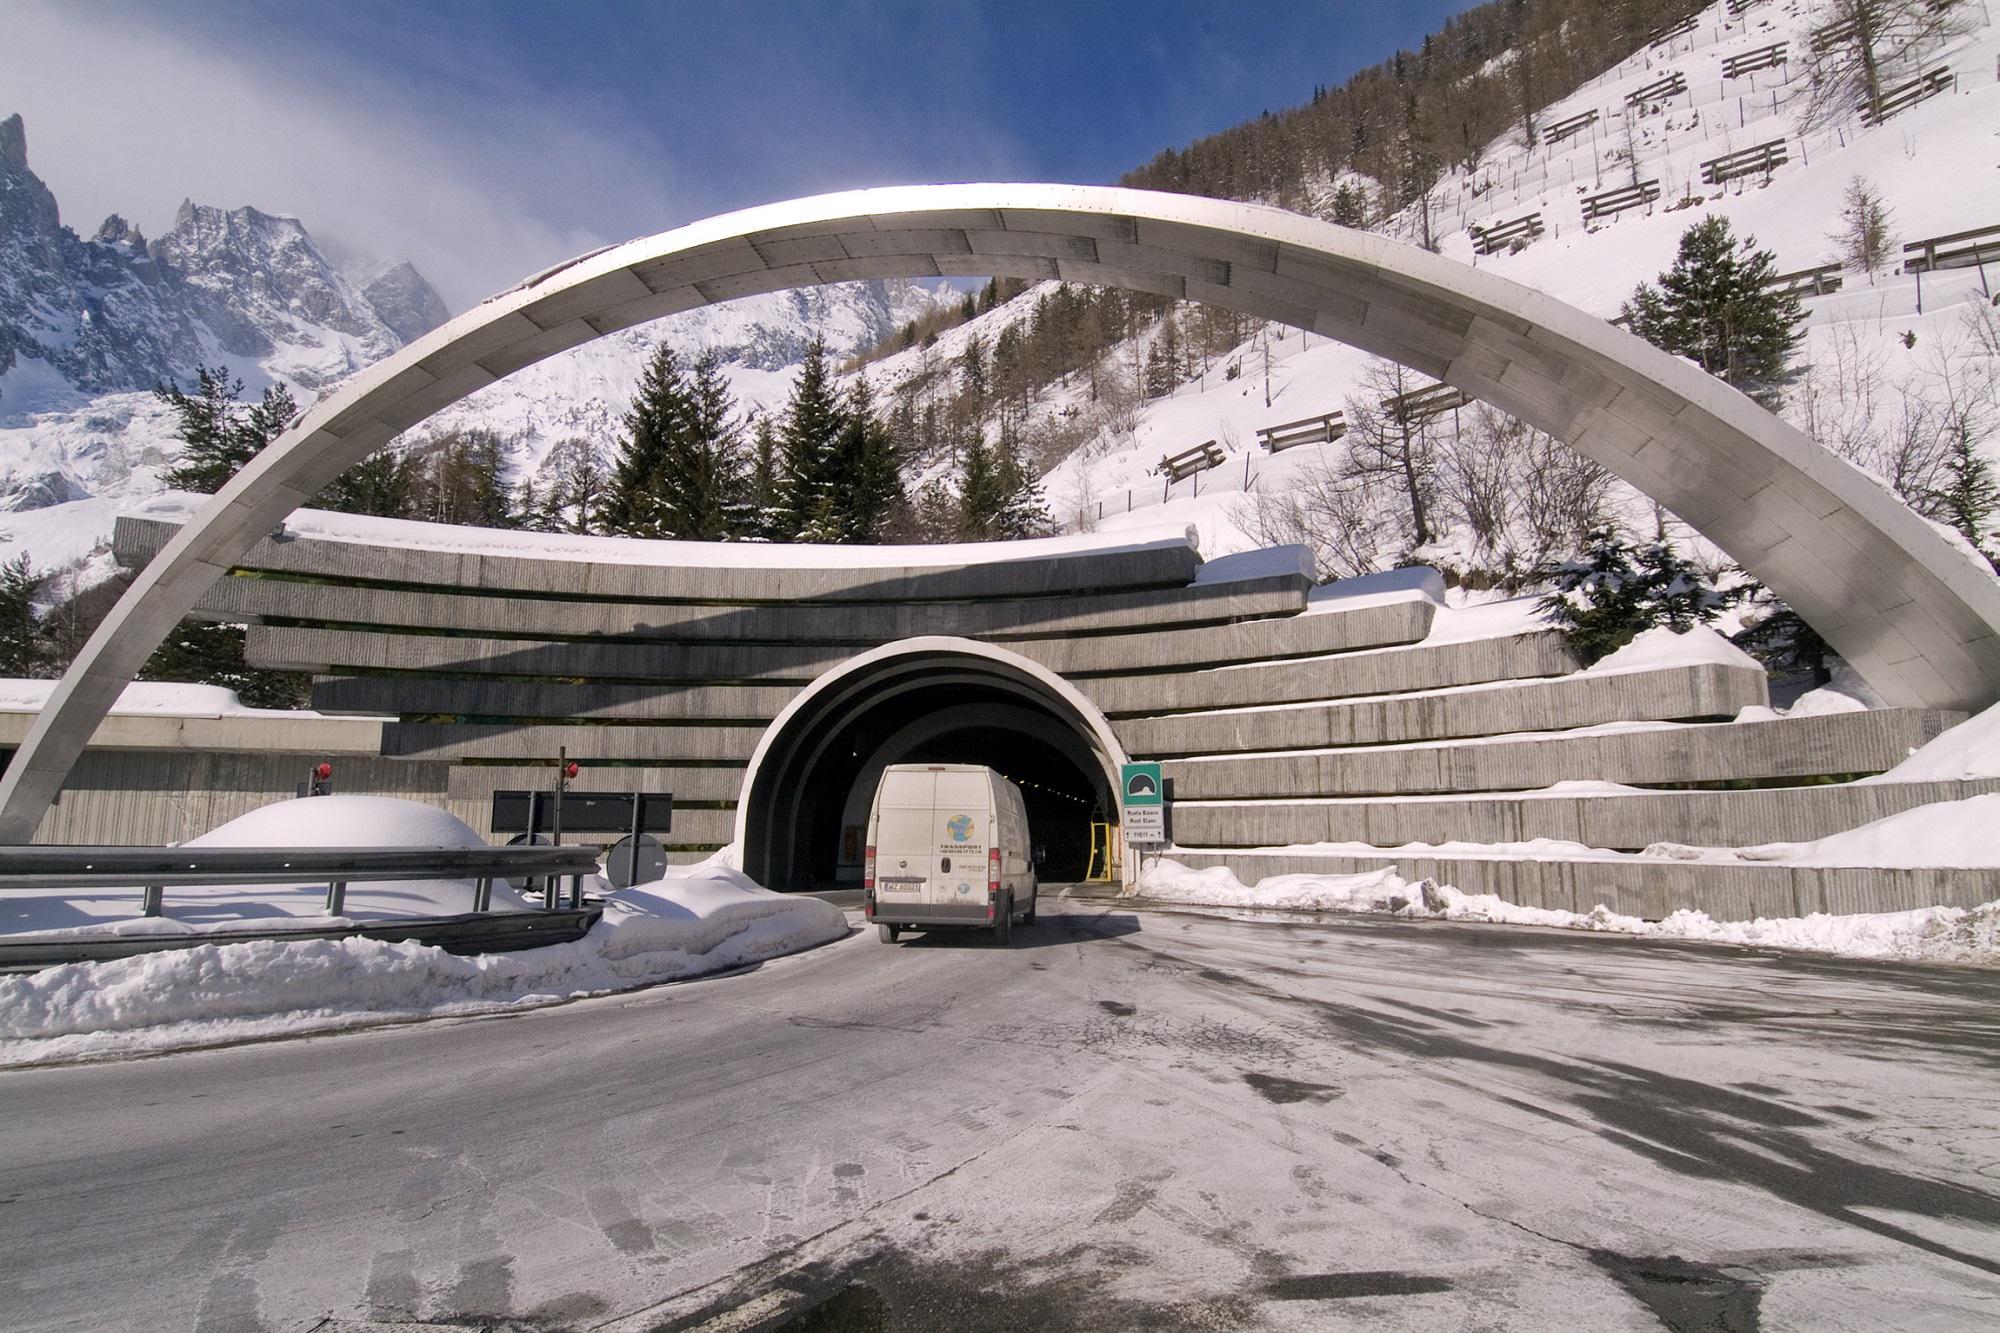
<point x="382" y="485"/>
<point x="658" y="421"/>
<point x="1023" y="510"/>
<point x="1714" y="307"/>
<point x="764" y="519"/>
<point x="812" y="425"/>
<point x="867" y="472"/>
<point x="982" y="492"/>
<point x="1969" y="499"/>
<point x="219" y="435"/>
<point x="21" y="639"/>
<point x="710" y="503"/>
<point x="1612" y="592"/>
<point x="206" y="654"/>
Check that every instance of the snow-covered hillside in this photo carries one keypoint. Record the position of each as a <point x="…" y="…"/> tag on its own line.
<point x="1873" y="357"/>
<point x="1880" y="352"/>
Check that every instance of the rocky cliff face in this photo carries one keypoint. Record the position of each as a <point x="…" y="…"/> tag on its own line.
<point x="118" y="313"/>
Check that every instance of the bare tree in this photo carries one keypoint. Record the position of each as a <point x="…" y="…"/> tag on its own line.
<point x="1386" y="440"/>
<point x="1838" y="398"/>
<point x="1328" y="509"/>
<point x="1865" y="46"/>
<point x="1865" y="236"/>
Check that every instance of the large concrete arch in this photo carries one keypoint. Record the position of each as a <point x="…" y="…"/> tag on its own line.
<point x="1917" y="615"/>
<point x="791" y="747"/>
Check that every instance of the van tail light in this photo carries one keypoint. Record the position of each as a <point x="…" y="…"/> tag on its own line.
<point x="868" y="870"/>
<point x="993" y="872"/>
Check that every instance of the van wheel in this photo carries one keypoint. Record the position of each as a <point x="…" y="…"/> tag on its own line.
<point x="1003" y="922"/>
<point x="889" y="933"/>
<point x="1028" y="917"/>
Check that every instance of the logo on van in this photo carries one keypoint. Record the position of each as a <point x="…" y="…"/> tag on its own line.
<point x="960" y="827"/>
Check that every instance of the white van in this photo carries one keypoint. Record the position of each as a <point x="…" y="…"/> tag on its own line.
<point x="947" y="846"/>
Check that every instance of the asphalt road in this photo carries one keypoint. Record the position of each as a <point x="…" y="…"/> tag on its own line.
<point x="1126" y="1120"/>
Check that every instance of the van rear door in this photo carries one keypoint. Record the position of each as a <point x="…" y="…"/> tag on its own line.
<point x="904" y="835"/>
<point x="962" y="833"/>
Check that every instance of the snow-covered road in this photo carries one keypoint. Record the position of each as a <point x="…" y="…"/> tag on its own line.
<point x="1128" y="1119"/>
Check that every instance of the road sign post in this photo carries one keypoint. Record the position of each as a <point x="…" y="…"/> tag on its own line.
<point x="1142" y="797"/>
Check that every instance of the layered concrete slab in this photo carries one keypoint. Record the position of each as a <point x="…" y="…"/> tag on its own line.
<point x="1800" y="747"/>
<point x="515" y="699"/>
<point x="323" y="651"/>
<point x="1417" y="667"/>
<point x="240" y="600"/>
<point x="1621" y="821"/>
<point x="664" y="745"/>
<point x="1650" y="887"/>
<point x="686" y="571"/>
<point x="1707" y="690"/>
<point x="1893" y="596"/>
<point x="478" y="782"/>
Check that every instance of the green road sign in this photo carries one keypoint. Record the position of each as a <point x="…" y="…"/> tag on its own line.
<point x="1143" y="794"/>
<point x="1142" y="785"/>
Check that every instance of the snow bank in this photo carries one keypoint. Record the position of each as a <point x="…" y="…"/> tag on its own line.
<point x="699" y="919"/>
<point x="1968" y="751"/>
<point x="147" y="696"/>
<point x="1943" y="834"/>
<point x="1931" y="934"/>
<point x="1663" y="647"/>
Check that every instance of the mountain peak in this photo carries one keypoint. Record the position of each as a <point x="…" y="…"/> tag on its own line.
<point x="14" y="142"/>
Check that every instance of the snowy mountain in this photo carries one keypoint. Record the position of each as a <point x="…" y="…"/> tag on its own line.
<point x="89" y="326"/>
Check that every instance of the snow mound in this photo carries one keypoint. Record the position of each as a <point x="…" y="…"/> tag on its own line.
<point x="1663" y="647"/>
<point x="698" y="920"/>
<point x="1969" y="751"/>
<point x="320" y="821"/>
<point x="1845" y="693"/>
<point x="1930" y="934"/>
<point x="343" y="821"/>
<point x="1944" y="834"/>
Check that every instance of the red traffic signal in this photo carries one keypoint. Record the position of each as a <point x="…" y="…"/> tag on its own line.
<point x="323" y="772"/>
<point x="569" y="770"/>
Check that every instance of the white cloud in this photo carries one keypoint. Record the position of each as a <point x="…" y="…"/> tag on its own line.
<point x="476" y="184"/>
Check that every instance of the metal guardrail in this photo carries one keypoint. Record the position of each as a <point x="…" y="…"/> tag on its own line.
<point x="153" y="869"/>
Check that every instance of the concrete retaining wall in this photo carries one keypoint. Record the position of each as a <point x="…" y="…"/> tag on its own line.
<point x="1802" y="747"/>
<point x="1650" y="888"/>
<point x="1667" y="694"/>
<point x="1624" y="822"/>
<point x="1383" y="671"/>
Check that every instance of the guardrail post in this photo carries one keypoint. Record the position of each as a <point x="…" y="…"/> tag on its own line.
<point x="576" y="882"/>
<point x="482" y="894"/>
<point x="153" y="901"/>
<point x="336" y="897"/>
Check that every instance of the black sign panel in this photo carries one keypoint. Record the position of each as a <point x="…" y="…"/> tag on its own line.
<point x="584" y="811"/>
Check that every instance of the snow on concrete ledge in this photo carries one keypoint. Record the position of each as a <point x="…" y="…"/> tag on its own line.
<point x="1968" y="751"/>
<point x="319" y="525"/>
<point x="1929" y="935"/>
<point x="148" y="698"/>
<point x="699" y="919"/>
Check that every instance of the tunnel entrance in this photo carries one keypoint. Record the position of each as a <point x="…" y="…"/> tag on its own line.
<point x="804" y="815"/>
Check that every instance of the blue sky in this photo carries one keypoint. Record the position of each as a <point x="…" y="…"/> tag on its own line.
<point x="486" y="140"/>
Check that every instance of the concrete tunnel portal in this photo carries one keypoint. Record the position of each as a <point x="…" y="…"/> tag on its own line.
<point x="803" y="814"/>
